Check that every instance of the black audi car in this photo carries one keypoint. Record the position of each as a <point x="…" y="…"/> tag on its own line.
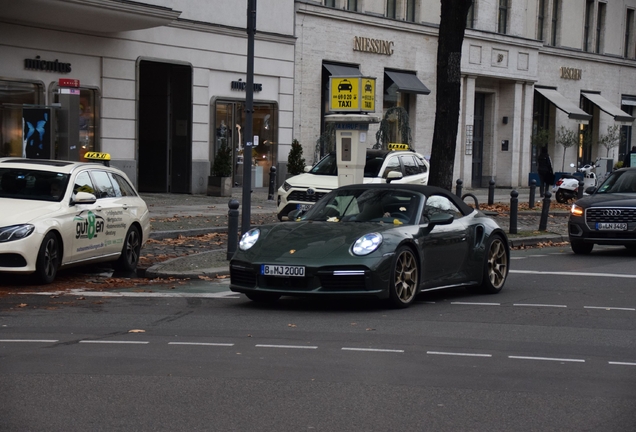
<point x="607" y="216"/>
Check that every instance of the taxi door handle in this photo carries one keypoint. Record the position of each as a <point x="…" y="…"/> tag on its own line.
<point x="98" y="208"/>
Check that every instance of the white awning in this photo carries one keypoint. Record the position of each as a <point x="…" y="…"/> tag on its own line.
<point x="559" y="101"/>
<point x="605" y="105"/>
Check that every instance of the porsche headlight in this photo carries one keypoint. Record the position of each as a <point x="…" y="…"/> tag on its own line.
<point x="576" y="210"/>
<point x="15" y="232"/>
<point x="286" y="186"/>
<point x="249" y="238"/>
<point x="367" y="244"/>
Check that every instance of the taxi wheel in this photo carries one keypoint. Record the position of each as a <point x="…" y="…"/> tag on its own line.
<point x="48" y="260"/>
<point x="130" y="252"/>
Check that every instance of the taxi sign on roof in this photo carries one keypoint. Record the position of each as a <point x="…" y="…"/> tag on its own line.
<point x="351" y="94"/>
<point x="398" y="146"/>
<point x="97" y="156"/>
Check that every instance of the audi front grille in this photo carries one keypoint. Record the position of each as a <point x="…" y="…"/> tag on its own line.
<point x="609" y="215"/>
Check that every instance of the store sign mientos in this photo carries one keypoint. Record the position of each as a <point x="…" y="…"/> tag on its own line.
<point x="46" y="65"/>
<point x="570" y="73"/>
<point x="375" y="46"/>
<point x="240" y="85"/>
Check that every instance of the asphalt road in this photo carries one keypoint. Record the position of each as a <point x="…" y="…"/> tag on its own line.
<point x="554" y="351"/>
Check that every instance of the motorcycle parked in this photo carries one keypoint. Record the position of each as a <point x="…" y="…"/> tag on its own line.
<point x="567" y="187"/>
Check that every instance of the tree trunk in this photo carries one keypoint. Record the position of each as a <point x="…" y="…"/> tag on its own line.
<point x="449" y="52"/>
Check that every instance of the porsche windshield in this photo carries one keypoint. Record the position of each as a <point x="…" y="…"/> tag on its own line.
<point x="32" y="184"/>
<point x="619" y="182"/>
<point x="366" y="205"/>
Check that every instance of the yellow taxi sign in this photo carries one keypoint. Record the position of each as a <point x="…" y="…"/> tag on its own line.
<point x="351" y="94"/>
<point x="398" y="146"/>
<point x="97" y="156"/>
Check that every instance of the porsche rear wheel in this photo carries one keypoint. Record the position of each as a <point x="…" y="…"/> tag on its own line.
<point x="130" y="251"/>
<point x="495" y="266"/>
<point x="262" y="297"/>
<point x="405" y="278"/>
<point x="48" y="260"/>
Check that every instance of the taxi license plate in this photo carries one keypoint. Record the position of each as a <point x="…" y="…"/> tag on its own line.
<point x="303" y="207"/>
<point x="611" y="226"/>
<point x="282" y="270"/>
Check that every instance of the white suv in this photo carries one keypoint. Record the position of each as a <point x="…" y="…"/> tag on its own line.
<point x="304" y="190"/>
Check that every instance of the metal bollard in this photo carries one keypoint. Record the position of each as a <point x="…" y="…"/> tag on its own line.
<point x="533" y="190"/>
<point x="272" y="183"/>
<point x="232" y="228"/>
<point x="491" y="192"/>
<point x="580" y="190"/>
<point x="543" y="223"/>
<point x="514" y="207"/>
<point x="458" y="188"/>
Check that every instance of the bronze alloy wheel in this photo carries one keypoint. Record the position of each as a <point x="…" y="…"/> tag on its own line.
<point x="497" y="265"/>
<point x="405" y="278"/>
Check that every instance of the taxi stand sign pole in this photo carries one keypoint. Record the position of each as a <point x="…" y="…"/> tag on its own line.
<point x="351" y="99"/>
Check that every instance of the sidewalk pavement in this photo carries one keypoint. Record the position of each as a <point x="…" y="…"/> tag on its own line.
<point x="175" y="215"/>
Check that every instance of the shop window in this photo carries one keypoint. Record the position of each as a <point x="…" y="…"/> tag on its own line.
<point x="392" y="98"/>
<point x="229" y="124"/>
<point x="13" y="96"/>
<point x="88" y="99"/>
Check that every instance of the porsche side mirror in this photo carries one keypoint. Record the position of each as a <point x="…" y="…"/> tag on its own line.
<point x="83" y="198"/>
<point x="440" y="219"/>
<point x="393" y="175"/>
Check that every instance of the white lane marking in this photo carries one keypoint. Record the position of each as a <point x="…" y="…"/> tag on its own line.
<point x="537" y="272"/>
<point x="537" y="256"/>
<point x="30" y="340"/>
<point x="286" y="346"/>
<point x="223" y="294"/>
<point x="114" y="342"/>
<point x="372" y="350"/>
<point x="547" y="358"/>
<point x="622" y="363"/>
<point x="476" y="304"/>
<point x="609" y="308"/>
<point x="201" y="344"/>
<point x="539" y="305"/>
<point x="517" y="258"/>
<point x="458" y="354"/>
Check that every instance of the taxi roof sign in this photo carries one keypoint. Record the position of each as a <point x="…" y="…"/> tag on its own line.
<point x="398" y="146"/>
<point x="351" y="94"/>
<point x="98" y="156"/>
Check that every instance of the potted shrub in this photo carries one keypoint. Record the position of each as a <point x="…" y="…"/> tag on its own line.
<point x="220" y="182"/>
<point x="295" y="160"/>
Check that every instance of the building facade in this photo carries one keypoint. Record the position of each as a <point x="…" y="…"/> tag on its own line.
<point x="526" y="65"/>
<point x="161" y="85"/>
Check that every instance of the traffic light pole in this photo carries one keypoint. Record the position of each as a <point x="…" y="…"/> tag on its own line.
<point x="249" y="114"/>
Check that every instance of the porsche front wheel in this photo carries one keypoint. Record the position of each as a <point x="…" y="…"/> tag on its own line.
<point x="495" y="266"/>
<point x="404" y="279"/>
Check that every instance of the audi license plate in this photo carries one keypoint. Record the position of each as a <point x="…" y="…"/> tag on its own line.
<point x="282" y="270"/>
<point x="611" y="226"/>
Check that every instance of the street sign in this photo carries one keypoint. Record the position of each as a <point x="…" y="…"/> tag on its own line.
<point x="351" y="94"/>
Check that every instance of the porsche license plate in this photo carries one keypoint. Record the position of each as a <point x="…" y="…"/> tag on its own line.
<point x="611" y="226"/>
<point x="282" y="270"/>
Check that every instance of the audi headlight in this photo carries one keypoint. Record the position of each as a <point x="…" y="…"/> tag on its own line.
<point x="286" y="186"/>
<point x="15" y="232"/>
<point x="249" y="239"/>
<point x="367" y="244"/>
<point x="576" y="210"/>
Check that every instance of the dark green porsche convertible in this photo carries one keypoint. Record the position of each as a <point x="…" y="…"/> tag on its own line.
<point x="389" y="241"/>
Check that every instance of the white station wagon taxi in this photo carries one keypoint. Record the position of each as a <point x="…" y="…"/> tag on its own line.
<point x="56" y="214"/>
<point x="302" y="191"/>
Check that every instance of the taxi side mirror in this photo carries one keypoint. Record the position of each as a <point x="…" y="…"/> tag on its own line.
<point x="83" y="198"/>
<point x="393" y="175"/>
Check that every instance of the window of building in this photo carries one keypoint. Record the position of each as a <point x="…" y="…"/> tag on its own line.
<point x="555" y="22"/>
<point x="540" y="120"/>
<point x="586" y="132"/>
<point x="410" y="10"/>
<point x="88" y="101"/>
<point x="502" y="22"/>
<point x="330" y="3"/>
<point x="540" y="19"/>
<point x="628" y="104"/>
<point x="352" y="5"/>
<point x="628" y="50"/>
<point x="470" y="18"/>
<point x="587" y="37"/>
<point x="392" y="97"/>
<point x="14" y="95"/>
<point x="600" y="27"/>
<point x="391" y="9"/>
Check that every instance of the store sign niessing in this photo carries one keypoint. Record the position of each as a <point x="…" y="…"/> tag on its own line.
<point x="376" y="46"/>
<point x="46" y="65"/>
<point x="570" y="73"/>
